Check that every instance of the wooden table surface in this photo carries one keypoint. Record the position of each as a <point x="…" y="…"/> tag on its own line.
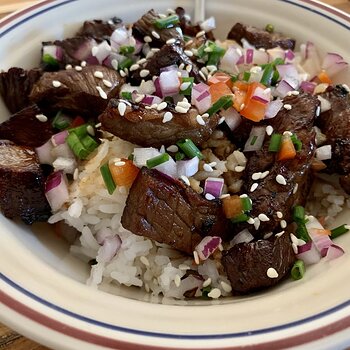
<point x="9" y="339"/>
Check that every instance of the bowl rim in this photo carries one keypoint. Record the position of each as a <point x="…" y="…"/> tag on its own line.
<point x="10" y="22"/>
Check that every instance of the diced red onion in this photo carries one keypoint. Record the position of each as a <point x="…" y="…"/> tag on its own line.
<point x="259" y="133"/>
<point x="119" y="37"/>
<point x="242" y="237"/>
<point x="260" y="57"/>
<point x="138" y="46"/>
<point x="273" y="108"/>
<point x="207" y="246"/>
<point x="262" y="95"/>
<point x="276" y="52"/>
<point x="169" y="82"/>
<point x="158" y="91"/>
<point x="246" y="44"/>
<point x="232" y="118"/>
<point x="173" y="67"/>
<point x="208" y="25"/>
<point x="187" y="167"/>
<point x="282" y="89"/>
<point x="324" y="104"/>
<point x="213" y="186"/>
<point x="334" y="251"/>
<point x="168" y="168"/>
<point x="151" y="99"/>
<point x="201" y="97"/>
<point x="102" y="234"/>
<point x="109" y="249"/>
<point x="308" y="86"/>
<point x="324" y="152"/>
<point x="56" y="190"/>
<point x="112" y="56"/>
<point x="249" y="56"/>
<point x="308" y="253"/>
<point x="289" y="55"/>
<point x="102" y="52"/>
<point x="333" y="64"/>
<point x="63" y="151"/>
<point x="312" y="63"/>
<point x="44" y="153"/>
<point x="321" y="241"/>
<point x="141" y="155"/>
<point x="231" y="59"/>
<point x="83" y="52"/>
<point x="289" y="73"/>
<point x="336" y="68"/>
<point x="54" y="51"/>
<point x="59" y="138"/>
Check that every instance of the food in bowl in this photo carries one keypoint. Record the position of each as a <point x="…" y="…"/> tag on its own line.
<point x="176" y="162"/>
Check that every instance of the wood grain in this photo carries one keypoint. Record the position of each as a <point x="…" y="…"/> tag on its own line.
<point x="10" y="340"/>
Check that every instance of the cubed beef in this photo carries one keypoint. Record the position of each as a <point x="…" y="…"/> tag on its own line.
<point x="99" y="29"/>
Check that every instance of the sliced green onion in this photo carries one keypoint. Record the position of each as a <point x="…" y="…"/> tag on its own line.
<point x="277" y="61"/>
<point x="340" y="230"/>
<point x="299" y="214"/>
<point x="127" y="63"/>
<point x="61" y="121"/>
<point x="246" y="76"/>
<point x="89" y="143"/>
<point x="107" y="178"/>
<point x="298" y="270"/>
<point x="205" y="291"/>
<point x="240" y="218"/>
<point x="296" y="142"/>
<point x="80" y="131"/>
<point x="275" y="142"/>
<point x="167" y="22"/>
<point x="223" y="102"/>
<point x="254" y="138"/>
<point x="50" y="61"/>
<point x="76" y="146"/>
<point x="267" y="75"/>
<point x="200" y="52"/>
<point x="187" y="38"/>
<point x="179" y="156"/>
<point x="126" y="50"/>
<point x="189" y="148"/>
<point x="131" y="157"/>
<point x="246" y="204"/>
<point x="301" y="232"/>
<point x="153" y="162"/>
<point x="234" y="78"/>
<point x="188" y="91"/>
<point x="126" y="95"/>
<point x="270" y="28"/>
<point x="214" y="58"/>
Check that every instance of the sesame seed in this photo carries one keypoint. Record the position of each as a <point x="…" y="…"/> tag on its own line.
<point x="122" y="73"/>
<point x="347" y="227"/>
<point x="150" y="54"/>
<point x="346" y="87"/>
<point x="242" y="106"/>
<point x="205" y="115"/>
<point x="251" y="221"/>
<point x="264" y="174"/>
<point x="254" y="187"/>
<point x="185" y="86"/>
<point x="141" y="61"/>
<point x="115" y="64"/>
<point x="119" y="163"/>
<point x="269" y="130"/>
<point x="207" y="167"/>
<point x="226" y="287"/>
<point x="213" y="164"/>
<point x="144" y="260"/>
<point x="202" y="32"/>
<point x="244" y="195"/>
<point x="189" y="68"/>
<point x="239" y="168"/>
<point x="196" y="257"/>
<point x="134" y="67"/>
<point x="94" y="51"/>
<point x="83" y="63"/>
<point x="295" y="248"/>
<point x="226" y="195"/>
<point x="184" y="267"/>
<point x="202" y="75"/>
<point x="188" y="53"/>
<point x="281" y="180"/>
<point x="287" y="133"/>
<point x="221" y="120"/>
<point x="101" y="92"/>
<point x="172" y="148"/>
<point x="107" y="83"/>
<point x="256" y="223"/>
<point x="268" y="235"/>
<point x="139" y="98"/>
<point x="56" y="83"/>
<point x="98" y="74"/>
<point x="279" y="214"/>
<point x="177" y="280"/>
<point x="214" y="293"/>
<point x="263" y="217"/>
<point x="147" y="39"/>
<point x="167" y="117"/>
<point x="154" y="49"/>
<point x="295" y="189"/>
<point x="98" y="125"/>
<point x="200" y="120"/>
<point x="279" y="234"/>
<point x="161" y="106"/>
<point x="205" y="70"/>
<point x="155" y="34"/>
<point x="180" y="109"/>
<point x="144" y="73"/>
<point x="189" y="43"/>
<point x="170" y="41"/>
<point x="294" y="239"/>
<point x="78" y="68"/>
<point x="283" y="223"/>
<point x="41" y="117"/>
<point x="256" y="176"/>
<point x="154" y="106"/>
<point x="295" y="92"/>
<point x="76" y="174"/>
<point x="287" y="106"/>
<point x="69" y="66"/>
<point x="185" y="180"/>
<point x="207" y="282"/>
<point x="121" y="108"/>
<point x="271" y="273"/>
<point x="90" y="130"/>
<point x="209" y="197"/>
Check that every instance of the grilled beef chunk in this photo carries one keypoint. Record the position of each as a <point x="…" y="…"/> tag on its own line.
<point x="23" y="128"/>
<point x="168" y="55"/>
<point x="260" y="38"/>
<point x="247" y="264"/>
<point x="15" y="87"/>
<point x="76" y="91"/>
<point x="98" y="29"/>
<point x="271" y="196"/>
<point x="21" y="184"/>
<point x="145" y="127"/>
<point x="167" y="211"/>
<point x="345" y="183"/>
<point x="145" y="26"/>
<point x="335" y="124"/>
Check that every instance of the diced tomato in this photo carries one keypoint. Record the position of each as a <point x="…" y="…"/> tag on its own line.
<point x="239" y="99"/>
<point x="77" y="121"/>
<point x="220" y="77"/>
<point x="240" y="85"/>
<point x="324" y="78"/>
<point x="218" y="90"/>
<point x="319" y="231"/>
<point x="232" y="206"/>
<point x="287" y="150"/>
<point x="123" y="172"/>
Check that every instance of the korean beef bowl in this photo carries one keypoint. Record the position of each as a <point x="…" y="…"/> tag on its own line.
<point x="163" y="172"/>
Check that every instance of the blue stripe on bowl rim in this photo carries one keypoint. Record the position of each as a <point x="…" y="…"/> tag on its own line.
<point x="249" y="333"/>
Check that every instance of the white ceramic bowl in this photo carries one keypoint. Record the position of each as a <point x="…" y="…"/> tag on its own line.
<point x="42" y="290"/>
